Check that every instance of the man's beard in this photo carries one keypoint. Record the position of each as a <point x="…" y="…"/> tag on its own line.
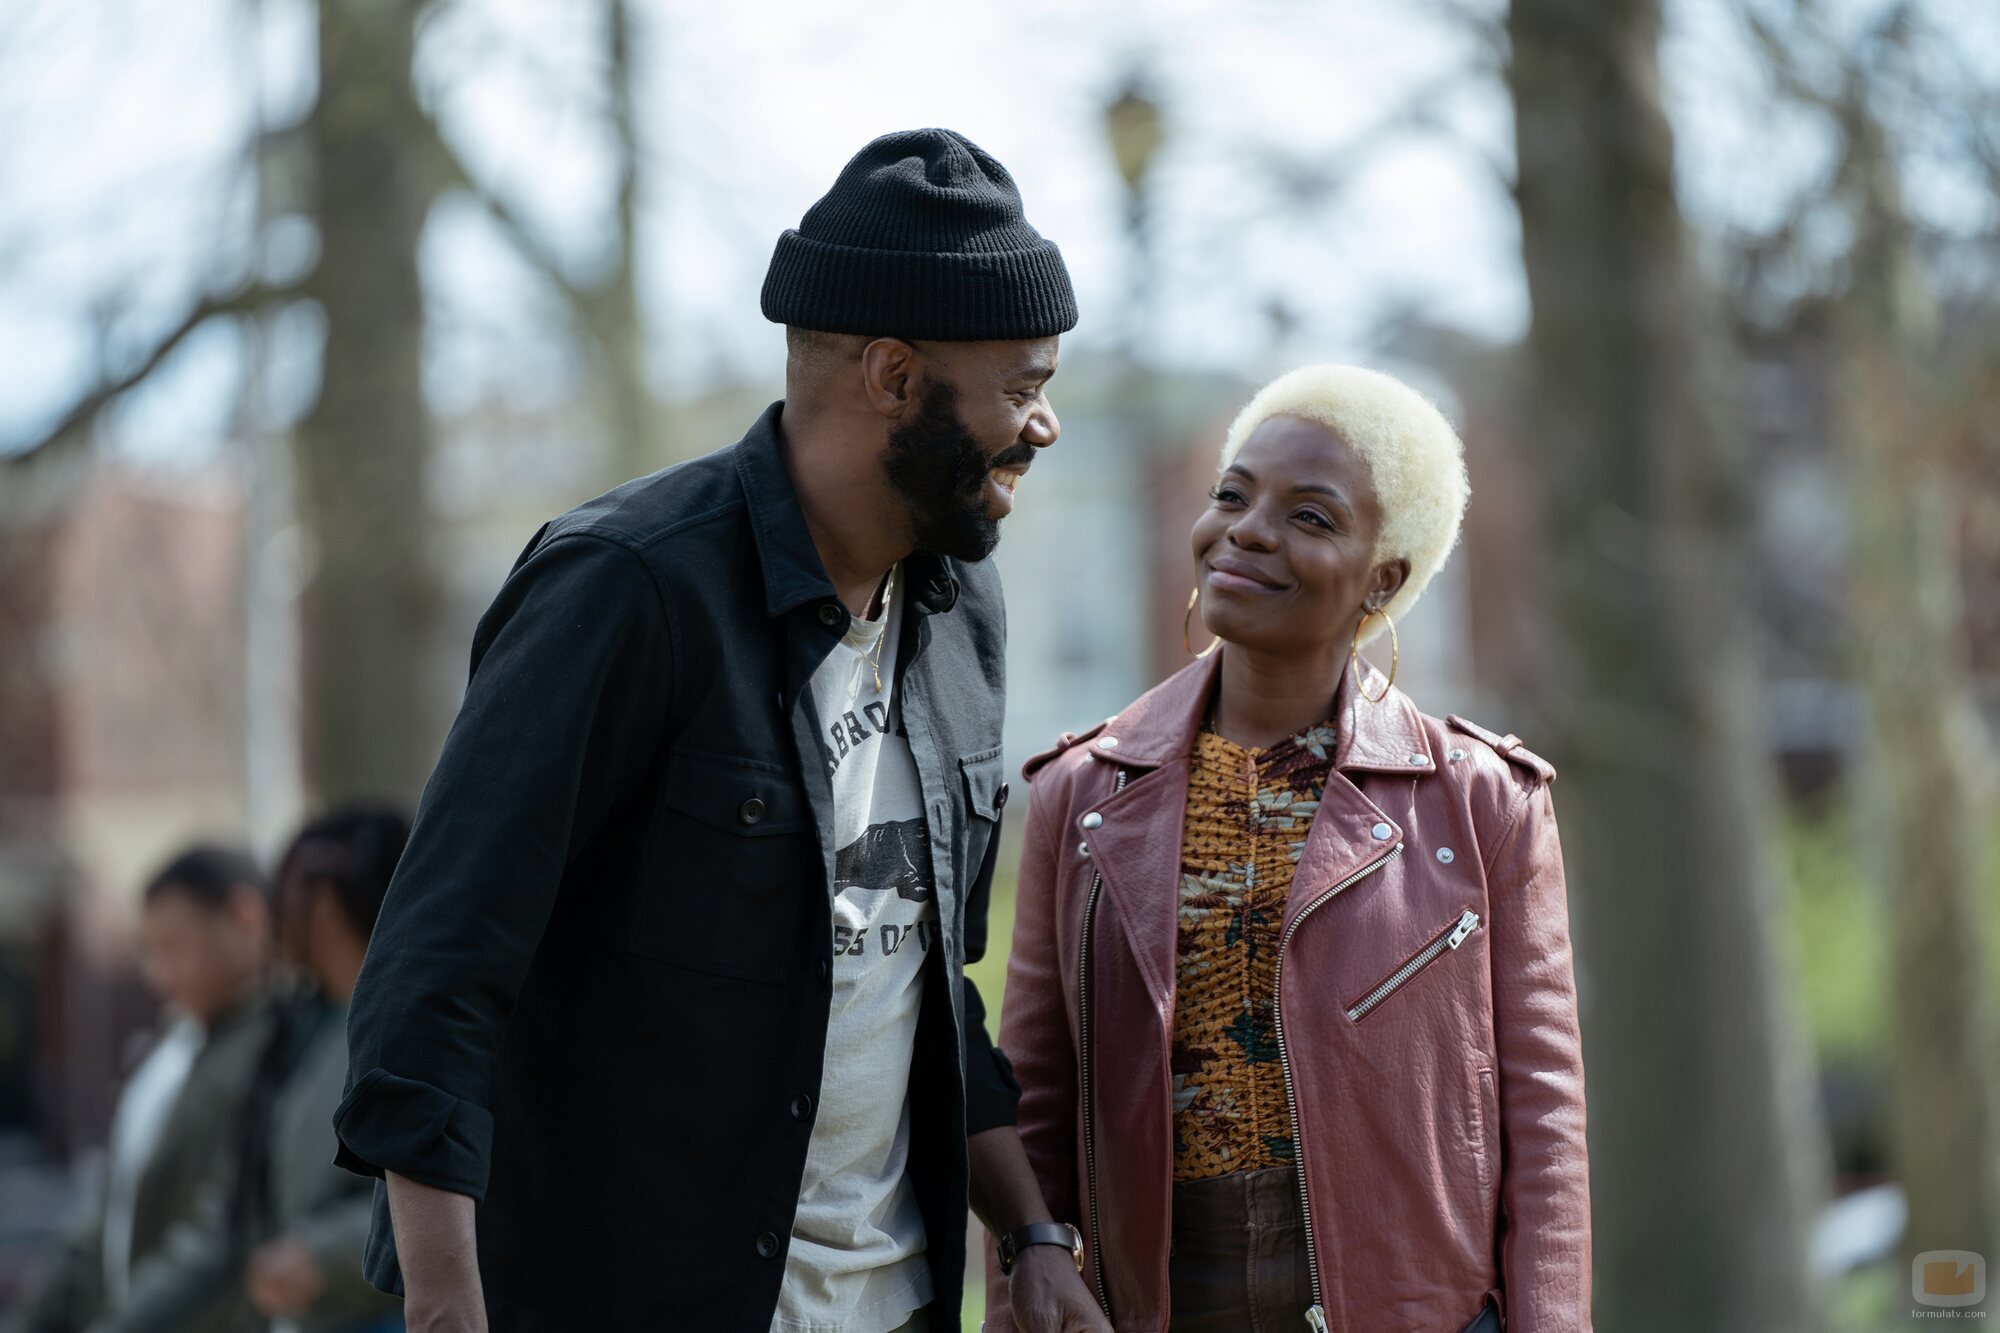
<point x="940" y="471"/>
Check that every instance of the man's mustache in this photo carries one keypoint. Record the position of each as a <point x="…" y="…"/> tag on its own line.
<point x="1016" y="459"/>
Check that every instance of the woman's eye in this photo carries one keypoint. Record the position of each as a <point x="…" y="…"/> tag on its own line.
<point x="1226" y="495"/>
<point x="1314" y="516"/>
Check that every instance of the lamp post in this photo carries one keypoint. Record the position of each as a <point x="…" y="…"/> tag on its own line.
<point x="1134" y="128"/>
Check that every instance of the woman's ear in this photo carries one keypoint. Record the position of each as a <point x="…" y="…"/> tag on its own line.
<point x="1390" y="576"/>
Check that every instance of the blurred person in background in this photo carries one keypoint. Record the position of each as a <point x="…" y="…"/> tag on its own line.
<point x="277" y="1221"/>
<point x="205" y="949"/>
<point x="1291" y="1000"/>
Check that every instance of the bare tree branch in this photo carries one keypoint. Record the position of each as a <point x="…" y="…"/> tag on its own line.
<point x="68" y="429"/>
<point x="450" y="172"/>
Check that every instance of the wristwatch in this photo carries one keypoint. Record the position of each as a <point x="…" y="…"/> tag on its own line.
<point x="1041" y="1233"/>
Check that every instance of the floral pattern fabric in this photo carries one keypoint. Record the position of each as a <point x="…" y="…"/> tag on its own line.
<point x="1248" y="814"/>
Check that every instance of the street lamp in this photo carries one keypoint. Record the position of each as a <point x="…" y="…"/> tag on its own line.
<point x="1132" y="123"/>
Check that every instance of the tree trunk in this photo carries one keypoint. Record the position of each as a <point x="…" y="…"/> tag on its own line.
<point x="372" y="717"/>
<point x="612" y="308"/>
<point x="1920" y="792"/>
<point x="1707" y="1153"/>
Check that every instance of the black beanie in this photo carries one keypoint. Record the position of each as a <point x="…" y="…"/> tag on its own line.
<point x="922" y="236"/>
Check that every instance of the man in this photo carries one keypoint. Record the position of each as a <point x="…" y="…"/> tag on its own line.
<point x="670" y="983"/>
<point x="275" y="1220"/>
<point x="204" y="947"/>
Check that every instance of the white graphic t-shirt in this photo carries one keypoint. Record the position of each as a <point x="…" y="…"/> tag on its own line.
<point x="857" y="1261"/>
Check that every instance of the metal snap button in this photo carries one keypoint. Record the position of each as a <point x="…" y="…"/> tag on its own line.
<point x="1446" y="855"/>
<point x="1455" y="754"/>
<point x="1418" y="759"/>
<point x="1093" y="820"/>
<point x="752" y="811"/>
<point x="1083" y="849"/>
<point x="1108" y="742"/>
<point x="1380" y="832"/>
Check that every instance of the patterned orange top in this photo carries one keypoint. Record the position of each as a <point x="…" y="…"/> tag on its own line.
<point x="1248" y="813"/>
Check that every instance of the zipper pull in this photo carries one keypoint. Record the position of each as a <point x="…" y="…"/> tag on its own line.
<point x="1466" y="925"/>
<point x="1316" y="1319"/>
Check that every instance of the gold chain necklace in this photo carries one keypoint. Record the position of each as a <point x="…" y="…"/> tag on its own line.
<point x="874" y="656"/>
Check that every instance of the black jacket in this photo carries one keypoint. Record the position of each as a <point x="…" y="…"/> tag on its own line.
<point x="597" y="997"/>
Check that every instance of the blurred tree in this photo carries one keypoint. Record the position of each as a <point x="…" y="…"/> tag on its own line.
<point x="364" y="168"/>
<point x="373" y="597"/>
<point x="1706" y="1149"/>
<point x="604" y="303"/>
<point x="1908" y="400"/>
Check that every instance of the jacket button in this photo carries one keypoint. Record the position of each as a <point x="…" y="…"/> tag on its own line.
<point x="1083" y="849"/>
<point x="752" y="811"/>
<point x="1446" y="855"/>
<point x="1093" y="820"/>
<point x="1380" y="832"/>
<point x="1418" y="760"/>
<point x="829" y="615"/>
<point x="767" y="1246"/>
<point x="1000" y="798"/>
<point x="802" y="1107"/>
<point x="1108" y="742"/>
<point x="822" y="970"/>
<point x="1454" y="754"/>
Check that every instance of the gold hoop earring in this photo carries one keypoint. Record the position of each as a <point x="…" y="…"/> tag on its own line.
<point x="1187" y="626"/>
<point x="1354" y="656"/>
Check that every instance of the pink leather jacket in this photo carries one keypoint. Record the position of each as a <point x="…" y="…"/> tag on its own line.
<point x="1426" y="1018"/>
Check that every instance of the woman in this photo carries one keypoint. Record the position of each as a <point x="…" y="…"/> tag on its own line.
<point x="1290" y="997"/>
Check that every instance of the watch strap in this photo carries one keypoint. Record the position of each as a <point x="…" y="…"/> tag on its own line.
<point x="1041" y="1233"/>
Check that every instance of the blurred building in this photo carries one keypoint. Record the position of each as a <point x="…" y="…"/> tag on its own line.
<point x="120" y="737"/>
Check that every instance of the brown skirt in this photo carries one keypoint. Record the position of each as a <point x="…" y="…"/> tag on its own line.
<point x="1239" y="1254"/>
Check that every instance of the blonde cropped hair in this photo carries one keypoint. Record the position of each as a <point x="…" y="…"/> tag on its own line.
<point x="1413" y="455"/>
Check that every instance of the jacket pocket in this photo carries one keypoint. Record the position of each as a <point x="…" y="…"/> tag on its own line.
<point x="1443" y="943"/>
<point x="985" y="795"/>
<point x="1485" y="1130"/>
<point x="728" y="861"/>
<point x="985" y="792"/>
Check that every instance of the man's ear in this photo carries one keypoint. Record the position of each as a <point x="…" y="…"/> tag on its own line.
<point x="892" y="376"/>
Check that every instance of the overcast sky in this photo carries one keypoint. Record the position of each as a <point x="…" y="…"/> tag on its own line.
<point x="121" y="124"/>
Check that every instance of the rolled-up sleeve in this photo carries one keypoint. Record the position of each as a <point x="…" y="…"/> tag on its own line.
<point x="572" y="671"/>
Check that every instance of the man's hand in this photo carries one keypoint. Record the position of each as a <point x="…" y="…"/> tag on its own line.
<point x="437" y="1248"/>
<point x="1045" y="1292"/>
<point x="284" y="1279"/>
<point x="1047" y="1295"/>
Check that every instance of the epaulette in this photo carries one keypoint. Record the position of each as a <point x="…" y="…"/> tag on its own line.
<point x="1063" y="742"/>
<point x="1508" y="747"/>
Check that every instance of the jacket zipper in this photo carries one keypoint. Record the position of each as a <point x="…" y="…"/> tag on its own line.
<point x="1316" y="1316"/>
<point x="1467" y="922"/>
<point x="1084" y="1078"/>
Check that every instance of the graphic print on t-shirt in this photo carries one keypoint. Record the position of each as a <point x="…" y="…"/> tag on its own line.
<point x="856" y="1261"/>
<point x="895" y="855"/>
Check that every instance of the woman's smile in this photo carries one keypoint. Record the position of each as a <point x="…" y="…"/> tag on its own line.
<point x="1229" y="575"/>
